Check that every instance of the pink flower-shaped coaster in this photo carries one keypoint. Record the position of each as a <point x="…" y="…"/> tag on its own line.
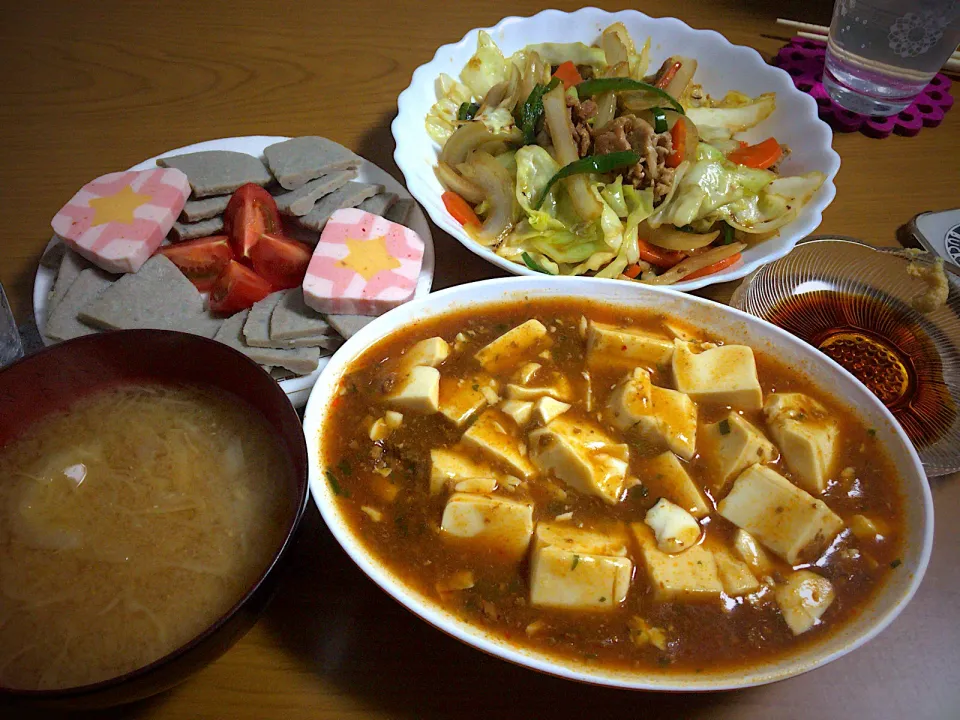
<point x="804" y="59"/>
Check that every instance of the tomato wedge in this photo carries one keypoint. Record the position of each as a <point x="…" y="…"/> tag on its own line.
<point x="251" y="212"/>
<point x="280" y="261"/>
<point x="201" y="260"/>
<point x="237" y="288"/>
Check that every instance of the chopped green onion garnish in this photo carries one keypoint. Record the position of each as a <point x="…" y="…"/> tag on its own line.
<point x="598" y="86"/>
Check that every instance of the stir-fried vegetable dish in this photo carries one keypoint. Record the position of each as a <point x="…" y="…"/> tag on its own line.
<point x="575" y="160"/>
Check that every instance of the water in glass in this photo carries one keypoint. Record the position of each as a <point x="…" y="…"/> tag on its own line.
<point x="882" y="53"/>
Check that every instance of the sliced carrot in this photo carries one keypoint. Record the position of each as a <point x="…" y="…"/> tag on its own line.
<point x="568" y="74"/>
<point x="711" y="269"/>
<point x="632" y="271"/>
<point x="460" y="209"/>
<point x="678" y="133"/>
<point x="669" y="74"/>
<point x="762" y="155"/>
<point x="658" y="256"/>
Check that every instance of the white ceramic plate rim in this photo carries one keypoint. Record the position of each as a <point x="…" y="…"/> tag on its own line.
<point x="416" y="152"/>
<point x="916" y="553"/>
<point x="297" y="388"/>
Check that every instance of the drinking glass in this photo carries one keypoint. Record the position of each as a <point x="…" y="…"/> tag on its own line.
<point x="10" y="347"/>
<point x="882" y="53"/>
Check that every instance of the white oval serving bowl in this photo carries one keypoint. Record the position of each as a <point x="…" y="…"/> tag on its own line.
<point x="729" y="324"/>
<point x="722" y="67"/>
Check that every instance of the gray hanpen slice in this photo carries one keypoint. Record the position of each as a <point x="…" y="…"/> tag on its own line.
<point x="301" y="361"/>
<point x="399" y="212"/>
<point x="191" y="231"/>
<point x="197" y="210"/>
<point x="379" y="204"/>
<point x="301" y="201"/>
<point x="218" y="172"/>
<point x="158" y="296"/>
<point x="71" y="265"/>
<point x="349" y="325"/>
<point x="349" y="196"/>
<point x="292" y="319"/>
<point x="63" y="323"/>
<point x="53" y="255"/>
<point x="294" y="162"/>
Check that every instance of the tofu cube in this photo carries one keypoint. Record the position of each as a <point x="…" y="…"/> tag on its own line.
<point x="418" y="391"/>
<point x="803" y="599"/>
<point x="662" y="415"/>
<point x="494" y="434"/>
<point x="547" y="384"/>
<point x="449" y="466"/>
<point x="684" y="577"/>
<point x="525" y="374"/>
<point x="735" y="575"/>
<point x="789" y="521"/>
<point x="675" y="528"/>
<point x="430" y="352"/>
<point x="520" y="410"/>
<point x="807" y="437"/>
<point x="630" y="400"/>
<point x="612" y="346"/>
<point x="513" y="346"/>
<point x="547" y="409"/>
<point x="581" y="455"/>
<point x="461" y="398"/>
<point x="752" y="553"/>
<point x="731" y="445"/>
<point x="868" y="529"/>
<point x="502" y="525"/>
<point x="725" y="375"/>
<point x="578" y="570"/>
<point x="665" y="477"/>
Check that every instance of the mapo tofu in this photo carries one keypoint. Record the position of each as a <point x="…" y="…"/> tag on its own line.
<point x="619" y="488"/>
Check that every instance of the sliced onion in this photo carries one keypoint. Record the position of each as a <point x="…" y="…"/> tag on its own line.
<point x="454" y="181"/>
<point x="557" y="121"/>
<point x="688" y="66"/>
<point x="467" y="138"/>
<point x="697" y="262"/>
<point x="495" y="181"/>
<point x="668" y="237"/>
<point x="764" y="227"/>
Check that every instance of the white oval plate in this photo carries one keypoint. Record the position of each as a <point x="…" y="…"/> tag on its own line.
<point x="732" y="325"/>
<point x="298" y="388"/>
<point x="722" y="67"/>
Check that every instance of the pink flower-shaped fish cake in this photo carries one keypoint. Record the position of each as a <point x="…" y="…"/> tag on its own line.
<point x="119" y="220"/>
<point x="363" y="265"/>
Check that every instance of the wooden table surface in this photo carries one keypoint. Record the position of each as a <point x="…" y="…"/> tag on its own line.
<point x="93" y="88"/>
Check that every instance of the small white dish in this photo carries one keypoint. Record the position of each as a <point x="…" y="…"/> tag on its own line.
<point x="722" y="67"/>
<point x="732" y="325"/>
<point x="298" y="388"/>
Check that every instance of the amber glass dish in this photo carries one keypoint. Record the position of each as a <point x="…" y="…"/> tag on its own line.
<point x="865" y="308"/>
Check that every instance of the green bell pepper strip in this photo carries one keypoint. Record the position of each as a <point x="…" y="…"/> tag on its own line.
<point x="591" y="164"/>
<point x="532" y="110"/>
<point x="726" y="233"/>
<point x="598" y="86"/>
<point x="467" y="111"/>
<point x="533" y="264"/>
<point x="659" y="120"/>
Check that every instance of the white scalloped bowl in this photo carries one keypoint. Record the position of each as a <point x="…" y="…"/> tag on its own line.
<point x="728" y="323"/>
<point x="722" y="67"/>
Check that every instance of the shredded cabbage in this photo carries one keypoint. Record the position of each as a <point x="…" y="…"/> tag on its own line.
<point x="576" y="52"/>
<point x="486" y="68"/>
<point x="442" y="119"/>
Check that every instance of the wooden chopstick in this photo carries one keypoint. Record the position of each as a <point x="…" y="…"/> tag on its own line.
<point x="820" y="32"/>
